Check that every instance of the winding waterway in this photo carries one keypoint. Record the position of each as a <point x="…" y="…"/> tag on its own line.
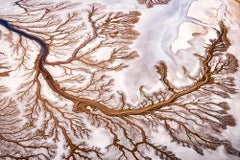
<point x="80" y="103"/>
<point x="44" y="47"/>
<point x="39" y="63"/>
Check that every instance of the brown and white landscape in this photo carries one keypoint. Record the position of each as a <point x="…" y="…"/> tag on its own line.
<point x="120" y="80"/>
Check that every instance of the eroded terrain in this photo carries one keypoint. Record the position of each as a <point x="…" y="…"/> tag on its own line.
<point x="104" y="80"/>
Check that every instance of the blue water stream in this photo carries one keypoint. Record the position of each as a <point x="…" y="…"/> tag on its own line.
<point x="44" y="48"/>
